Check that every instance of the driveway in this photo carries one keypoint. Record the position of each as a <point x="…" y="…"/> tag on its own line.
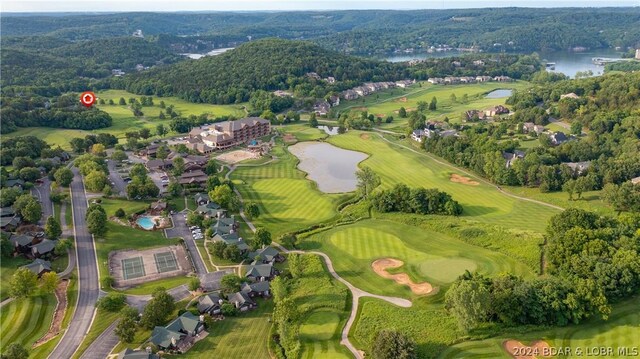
<point x="119" y="185"/>
<point x="43" y="191"/>
<point x="180" y="229"/>
<point x="88" y="287"/>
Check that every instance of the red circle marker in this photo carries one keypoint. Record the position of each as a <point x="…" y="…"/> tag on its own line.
<point x="87" y="98"/>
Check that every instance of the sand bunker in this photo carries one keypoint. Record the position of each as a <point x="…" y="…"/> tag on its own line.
<point x="401" y="99"/>
<point x="380" y="266"/>
<point x="237" y="156"/>
<point x="537" y="349"/>
<point x="289" y="138"/>
<point x="364" y="136"/>
<point x="464" y="180"/>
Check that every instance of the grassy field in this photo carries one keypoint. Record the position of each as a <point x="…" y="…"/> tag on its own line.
<point x="621" y="330"/>
<point x="302" y="132"/>
<point x="123" y="119"/>
<point x="427" y="255"/>
<point x="287" y="200"/>
<point x="481" y="202"/>
<point x="320" y="334"/>
<point x="8" y="266"/>
<point x="237" y="337"/>
<point x="591" y="201"/>
<point x="388" y="102"/>
<point x="26" y="320"/>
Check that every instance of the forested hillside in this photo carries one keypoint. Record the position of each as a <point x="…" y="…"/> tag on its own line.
<point x="364" y="32"/>
<point x="269" y="64"/>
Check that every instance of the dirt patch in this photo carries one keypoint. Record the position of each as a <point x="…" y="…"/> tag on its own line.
<point x="537" y="349"/>
<point x="361" y="108"/>
<point x="364" y="136"/>
<point x="381" y="115"/>
<point x="380" y="266"/>
<point x="401" y="99"/>
<point x="289" y="138"/>
<point x="464" y="180"/>
<point x="237" y="156"/>
<point x="58" y="314"/>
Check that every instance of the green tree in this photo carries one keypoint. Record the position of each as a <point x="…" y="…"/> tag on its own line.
<point x="178" y="166"/>
<point x="95" y="181"/>
<point x="469" y="301"/>
<point x="32" y="211"/>
<point x="15" y="351"/>
<point x="261" y="238"/>
<point x="224" y="196"/>
<point x="119" y="156"/>
<point x="122" y="101"/>
<point x="569" y="187"/>
<point x="62" y="246"/>
<point x="162" y="153"/>
<point x="174" y="189"/>
<point x="120" y="213"/>
<point x="107" y="281"/>
<point x="576" y="128"/>
<point x="8" y="196"/>
<point x="29" y="174"/>
<point x="6" y="247"/>
<point x="144" y="133"/>
<point x="158" y="308"/>
<point x="402" y="112"/>
<point x="194" y="284"/>
<point x="50" y="282"/>
<point x="52" y="228"/>
<point x="313" y="122"/>
<point x="368" y="180"/>
<point x="252" y="210"/>
<point x="126" y="328"/>
<point x="97" y="222"/>
<point x="433" y="104"/>
<point x="230" y="283"/>
<point x="212" y="167"/>
<point x="390" y="344"/>
<point x="22" y="283"/>
<point x="195" y="219"/>
<point x="63" y="176"/>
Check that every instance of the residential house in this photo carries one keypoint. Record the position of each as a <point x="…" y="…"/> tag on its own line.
<point x="117" y="72"/>
<point x="9" y="223"/>
<point x="157" y="207"/>
<point x="321" y="108"/>
<point x="38" y="266"/>
<point x="435" y="80"/>
<point x="232" y="239"/>
<point x="571" y="95"/>
<point x="405" y="83"/>
<point x="349" y="95"/>
<point x="502" y="79"/>
<point x="331" y="80"/>
<point x="7" y="212"/>
<point x="578" y="168"/>
<point x="478" y="63"/>
<point x="44" y="248"/>
<point x="261" y="272"/>
<point x="313" y="75"/>
<point x="257" y="289"/>
<point x="179" y="334"/>
<point x="193" y="177"/>
<point x="268" y="255"/>
<point x="474" y="115"/>
<point x="136" y="354"/>
<point x="201" y="199"/>
<point x="22" y="242"/>
<point x="210" y="303"/>
<point x="166" y="339"/>
<point x="158" y="165"/>
<point x="483" y="78"/>
<point x="334" y="100"/>
<point x="187" y="323"/>
<point x="210" y="210"/>
<point x="510" y="158"/>
<point x="558" y="138"/>
<point x="241" y="301"/>
<point x="281" y="93"/>
<point x="417" y="135"/>
<point x="496" y="110"/>
<point x="14" y="182"/>
<point x="530" y="127"/>
<point x="448" y="133"/>
<point x="151" y="150"/>
<point x="361" y="91"/>
<point x="226" y="225"/>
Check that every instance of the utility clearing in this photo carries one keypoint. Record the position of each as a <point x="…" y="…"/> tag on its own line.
<point x="380" y="266"/>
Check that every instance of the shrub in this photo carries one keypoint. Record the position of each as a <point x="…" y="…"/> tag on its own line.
<point x="120" y="213"/>
<point x="229" y="309"/>
<point x="112" y="302"/>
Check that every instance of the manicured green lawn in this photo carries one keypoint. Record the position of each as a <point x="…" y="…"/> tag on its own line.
<point x="8" y="266"/>
<point x="111" y="205"/>
<point x="237" y="337"/>
<point x="388" y="102"/>
<point x="26" y="320"/>
<point x="621" y="330"/>
<point x="481" y="202"/>
<point x="302" y="132"/>
<point x="317" y="332"/>
<point x="123" y="119"/>
<point x="427" y="255"/>
<point x="287" y="200"/>
<point x="591" y="201"/>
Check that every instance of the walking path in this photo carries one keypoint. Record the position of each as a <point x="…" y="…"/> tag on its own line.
<point x="498" y="188"/>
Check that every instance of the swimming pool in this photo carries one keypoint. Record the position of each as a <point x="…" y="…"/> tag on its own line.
<point x="145" y="222"/>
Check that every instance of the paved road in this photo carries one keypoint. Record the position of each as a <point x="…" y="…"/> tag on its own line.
<point x="119" y="185"/>
<point x="87" y="272"/>
<point x="103" y="345"/>
<point x="180" y="229"/>
<point x="43" y="191"/>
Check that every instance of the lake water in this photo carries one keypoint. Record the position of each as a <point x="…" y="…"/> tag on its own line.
<point x="329" y="130"/>
<point x="567" y="62"/>
<point x="210" y="53"/>
<point x="145" y="222"/>
<point x="499" y="93"/>
<point x="332" y="168"/>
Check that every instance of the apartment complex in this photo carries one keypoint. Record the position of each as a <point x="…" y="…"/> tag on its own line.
<point x="219" y="136"/>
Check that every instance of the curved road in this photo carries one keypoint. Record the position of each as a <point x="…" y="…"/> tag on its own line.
<point x="88" y="287"/>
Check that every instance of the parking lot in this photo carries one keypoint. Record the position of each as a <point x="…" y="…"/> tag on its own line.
<point x="182" y="230"/>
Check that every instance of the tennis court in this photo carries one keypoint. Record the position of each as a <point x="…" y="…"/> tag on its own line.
<point x="132" y="268"/>
<point x="166" y="262"/>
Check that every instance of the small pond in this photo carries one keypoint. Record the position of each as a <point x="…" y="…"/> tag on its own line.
<point x="145" y="222"/>
<point x="332" y="168"/>
<point x="499" y="93"/>
<point x="329" y="130"/>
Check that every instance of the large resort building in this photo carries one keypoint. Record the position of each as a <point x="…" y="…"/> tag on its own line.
<point x="219" y="136"/>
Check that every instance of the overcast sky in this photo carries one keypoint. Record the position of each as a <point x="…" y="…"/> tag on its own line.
<point x="226" y="5"/>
